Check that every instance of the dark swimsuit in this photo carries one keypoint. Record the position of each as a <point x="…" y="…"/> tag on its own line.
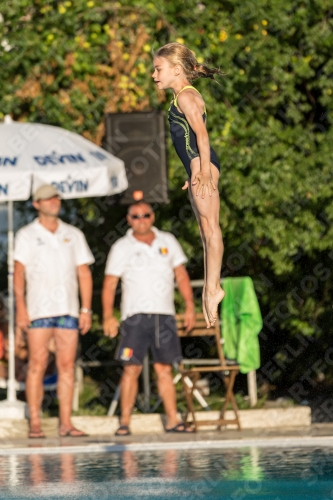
<point x="183" y="137"/>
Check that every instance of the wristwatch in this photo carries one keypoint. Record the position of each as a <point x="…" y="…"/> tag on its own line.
<point x="85" y="310"/>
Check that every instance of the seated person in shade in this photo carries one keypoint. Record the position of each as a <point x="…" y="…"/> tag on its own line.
<point x="21" y="348"/>
<point x="3" y="340"/>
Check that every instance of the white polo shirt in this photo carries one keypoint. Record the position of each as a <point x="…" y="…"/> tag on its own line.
<point x="50" y="261"/>
<point x="146" y="272"/>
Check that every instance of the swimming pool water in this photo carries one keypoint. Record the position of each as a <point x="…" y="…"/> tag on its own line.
<point x="242" y="474"/>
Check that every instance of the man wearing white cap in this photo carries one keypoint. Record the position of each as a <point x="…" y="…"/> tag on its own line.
<point x="51" y="266"/>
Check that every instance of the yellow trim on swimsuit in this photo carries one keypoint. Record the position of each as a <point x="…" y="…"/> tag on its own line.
<point x="186" y="87"/>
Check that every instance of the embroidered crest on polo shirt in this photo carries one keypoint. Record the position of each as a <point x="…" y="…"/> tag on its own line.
<point x="164" y="251"/>
<point x="67" y="240"/>
<point x="126" y="354"/>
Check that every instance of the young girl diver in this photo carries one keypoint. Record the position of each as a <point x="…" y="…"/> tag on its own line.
<point x="175" y="67"/>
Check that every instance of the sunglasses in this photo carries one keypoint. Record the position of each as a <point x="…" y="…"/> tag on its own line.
<point x="143" y="216"/>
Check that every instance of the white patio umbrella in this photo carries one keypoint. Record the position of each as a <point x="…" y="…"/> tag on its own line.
<point x="33" y="154"/>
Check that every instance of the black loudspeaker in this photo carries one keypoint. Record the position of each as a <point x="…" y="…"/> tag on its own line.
<point x="139" y="140"/>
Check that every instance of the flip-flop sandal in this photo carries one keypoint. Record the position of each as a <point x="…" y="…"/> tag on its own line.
<point x="123" y="428"/>
<point x="71" y="433"/>
<point x="180" y="428"/>
<point x="36" y="435"/>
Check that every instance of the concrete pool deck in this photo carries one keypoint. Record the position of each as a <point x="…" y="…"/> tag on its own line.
<point x="319" y="435"/>
<point x="274" y="427"/>
<point x="316" y="435"/>
<point x="153" y="423"/>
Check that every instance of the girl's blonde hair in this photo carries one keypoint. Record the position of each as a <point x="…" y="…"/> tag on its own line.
<point x="176" y="53"/>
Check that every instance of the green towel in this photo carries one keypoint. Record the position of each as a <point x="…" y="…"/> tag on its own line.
<point x="241" y="323"/>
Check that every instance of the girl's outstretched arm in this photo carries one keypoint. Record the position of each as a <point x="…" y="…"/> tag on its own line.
<point x="193" y="114"/>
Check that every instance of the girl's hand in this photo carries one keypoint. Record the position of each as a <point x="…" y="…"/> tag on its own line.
<point x="185" y="186"/>
<point x="205" y="182"/>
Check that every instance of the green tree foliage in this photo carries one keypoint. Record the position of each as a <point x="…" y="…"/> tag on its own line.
<point x="269" y="119"/>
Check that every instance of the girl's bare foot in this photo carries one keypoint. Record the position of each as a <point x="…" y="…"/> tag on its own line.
<point x="204" y="307"/>
<point x="212" y="301"/>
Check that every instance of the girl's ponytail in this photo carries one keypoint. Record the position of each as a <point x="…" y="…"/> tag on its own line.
<point x="203" y="71"/>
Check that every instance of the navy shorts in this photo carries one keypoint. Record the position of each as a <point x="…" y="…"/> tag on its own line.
<point x="157" y="332"/>
<point x="68" y="322"/>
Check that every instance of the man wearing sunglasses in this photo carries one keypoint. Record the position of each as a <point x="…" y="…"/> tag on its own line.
<point x="147" y="261"/>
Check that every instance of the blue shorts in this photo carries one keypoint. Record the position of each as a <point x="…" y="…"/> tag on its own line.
<point x="68" y="322"/>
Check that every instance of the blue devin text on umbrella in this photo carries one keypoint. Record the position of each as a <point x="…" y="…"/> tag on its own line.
<point x="5" y="160"/>
<point x="69" y="186"/>
<point x="55" y="159"/>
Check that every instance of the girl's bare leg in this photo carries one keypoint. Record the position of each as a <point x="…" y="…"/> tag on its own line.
<point x="196" y="213"/>
<point x="208" y="209"/>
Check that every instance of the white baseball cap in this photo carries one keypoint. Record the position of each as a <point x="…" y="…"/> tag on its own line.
<point x="45" y="192"/>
